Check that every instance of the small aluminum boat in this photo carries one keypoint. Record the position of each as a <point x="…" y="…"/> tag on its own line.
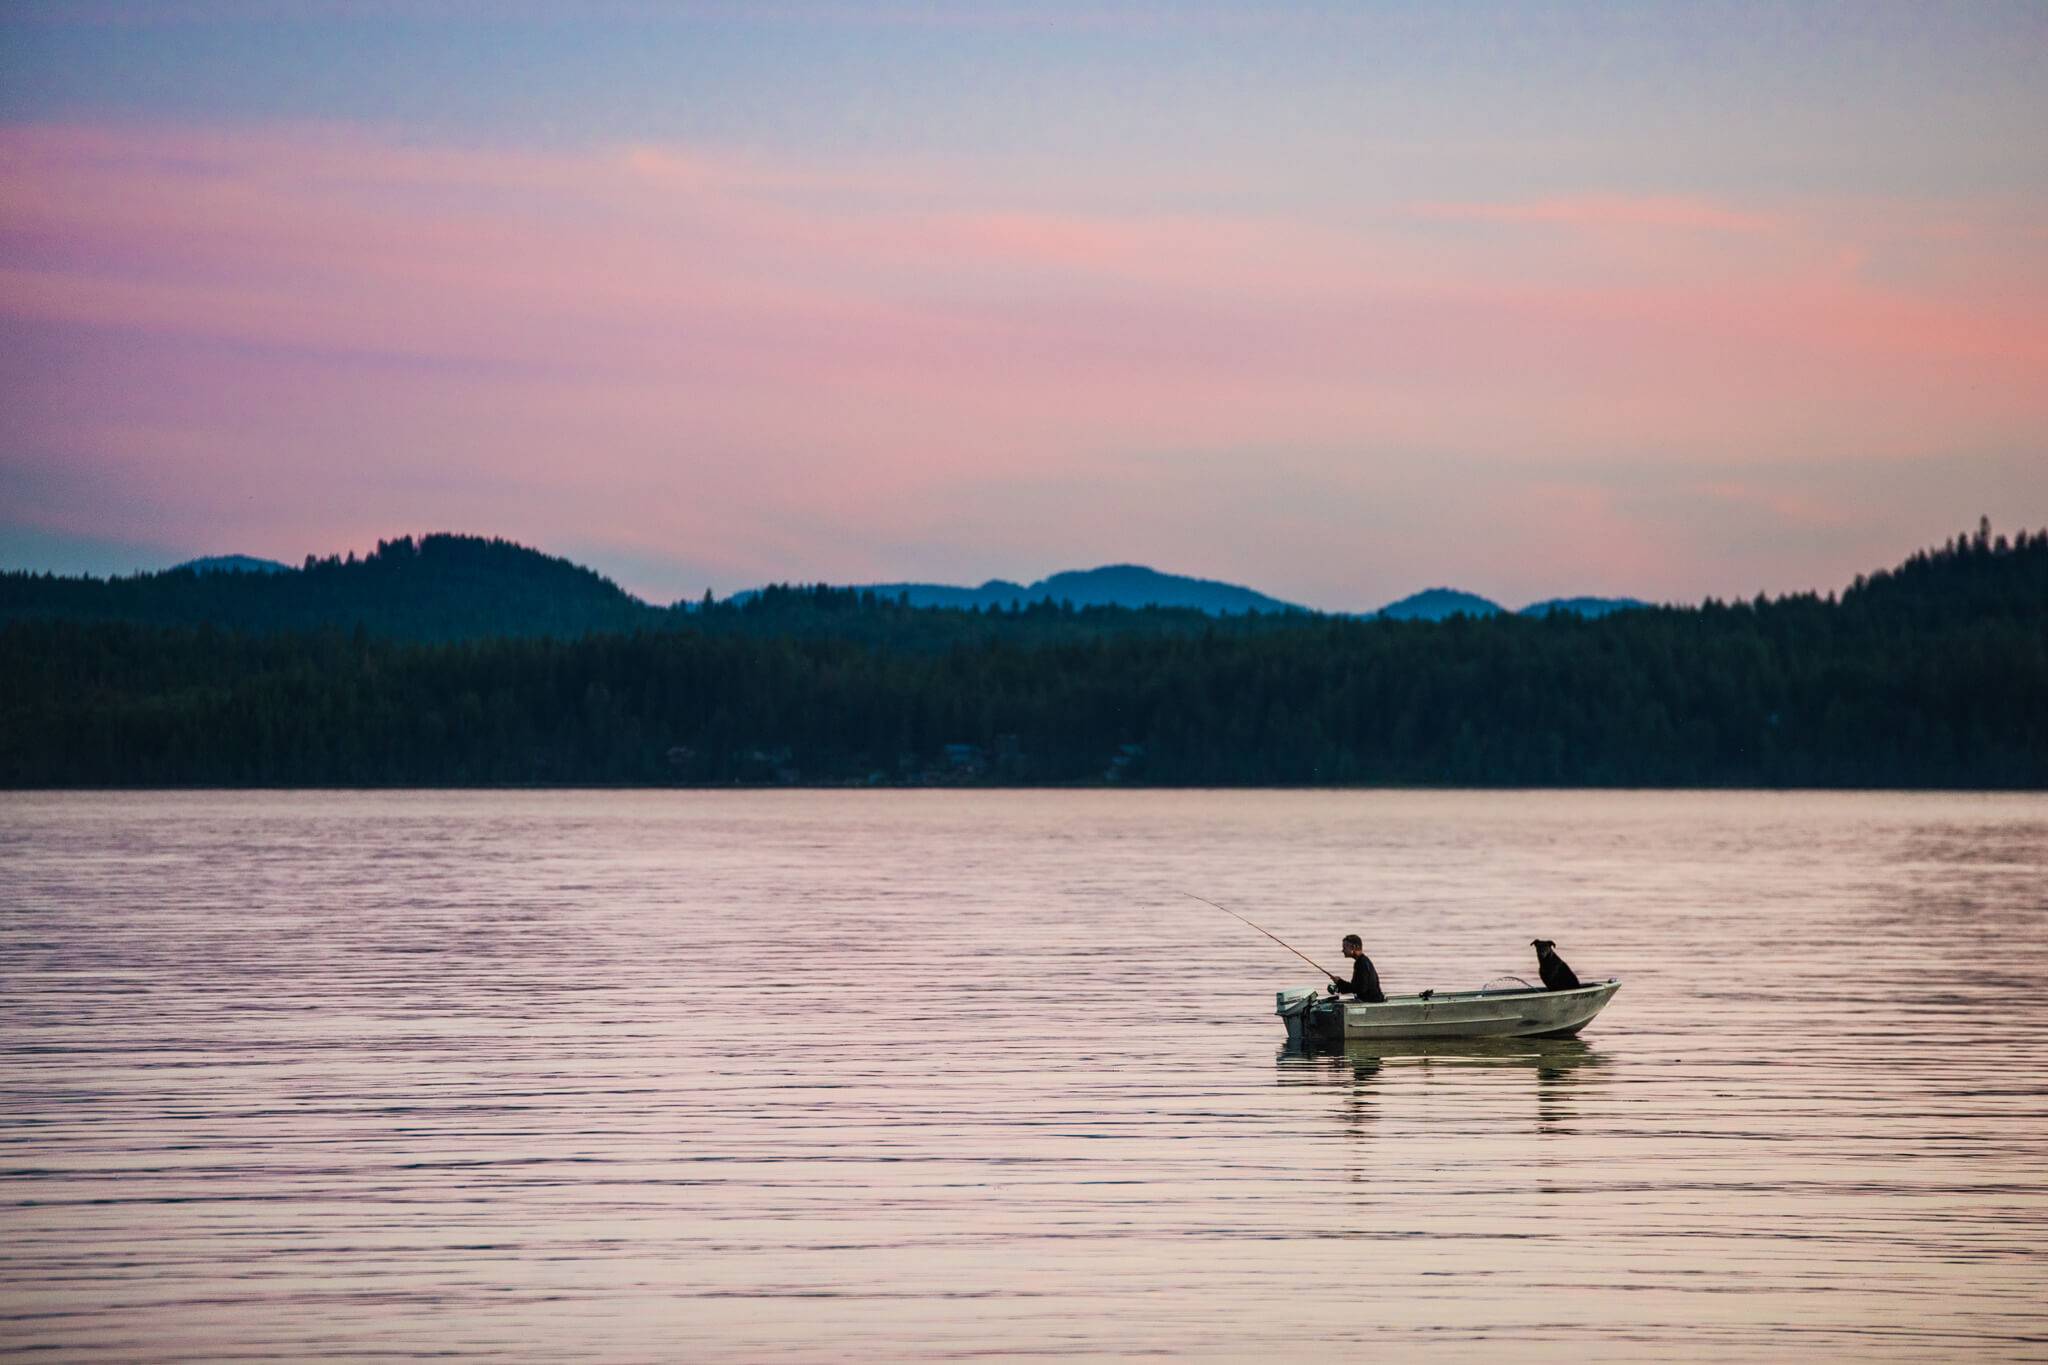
<point x="1509" y="1012"/>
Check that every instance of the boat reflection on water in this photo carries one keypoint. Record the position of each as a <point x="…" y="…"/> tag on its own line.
<point x="1560" y="1068"/>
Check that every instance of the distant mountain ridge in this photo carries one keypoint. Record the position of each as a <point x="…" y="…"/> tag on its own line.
<point x="438" y="587"/>
<point x="1137" y="587"/>
<point x="447" y="587"/>
<point x="1111" y="585"/>
<point x="1439" y="604"/>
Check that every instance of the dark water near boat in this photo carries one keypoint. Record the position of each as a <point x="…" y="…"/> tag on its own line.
<point x="818" y="1076"/>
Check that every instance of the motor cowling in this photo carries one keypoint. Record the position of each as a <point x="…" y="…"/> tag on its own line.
<point x="1308" y="1014"/>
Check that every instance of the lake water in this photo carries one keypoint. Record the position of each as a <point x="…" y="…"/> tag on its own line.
<point x="920" y="1075"/>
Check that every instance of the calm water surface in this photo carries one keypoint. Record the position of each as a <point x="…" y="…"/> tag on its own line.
<point x="910" y="1075"/>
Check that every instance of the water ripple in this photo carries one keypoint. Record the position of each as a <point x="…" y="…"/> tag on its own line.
<point x="818" y="1076"/>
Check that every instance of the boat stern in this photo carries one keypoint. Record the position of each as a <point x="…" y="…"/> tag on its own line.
<point x="1309" y="1016"/>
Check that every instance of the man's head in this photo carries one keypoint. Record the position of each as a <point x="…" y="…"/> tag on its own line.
<point x="1354" y="946"/>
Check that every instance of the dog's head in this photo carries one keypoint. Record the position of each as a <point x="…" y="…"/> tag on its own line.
<point x="1542" y="945"/>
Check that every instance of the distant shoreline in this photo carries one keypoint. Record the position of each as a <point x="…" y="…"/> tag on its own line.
<point x="1929" y="677"/>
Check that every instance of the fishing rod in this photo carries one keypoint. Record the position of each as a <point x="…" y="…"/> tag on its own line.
<point x="1275" y="937"/>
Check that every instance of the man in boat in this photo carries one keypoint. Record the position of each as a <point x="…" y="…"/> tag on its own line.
<point x="1364" y="982"/>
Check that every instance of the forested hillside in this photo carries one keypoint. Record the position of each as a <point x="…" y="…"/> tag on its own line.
<point x="1933" y="674"/>
<point x="449" y="587"/>
<point x="440" y="587"/>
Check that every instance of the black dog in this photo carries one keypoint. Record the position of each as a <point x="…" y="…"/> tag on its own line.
<point x="1557" y="974"/>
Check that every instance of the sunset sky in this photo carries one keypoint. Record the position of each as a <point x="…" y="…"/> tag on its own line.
<point x="1340" y="301"/>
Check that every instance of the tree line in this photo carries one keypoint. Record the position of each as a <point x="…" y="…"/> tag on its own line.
<point x="1932" y="674"/>
<point x="452" y="587"/>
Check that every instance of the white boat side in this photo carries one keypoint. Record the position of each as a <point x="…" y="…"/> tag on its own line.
<point x="1516" y="1013"/>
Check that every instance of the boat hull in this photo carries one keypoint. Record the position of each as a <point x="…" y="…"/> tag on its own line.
<point x="1519" y="1013"/>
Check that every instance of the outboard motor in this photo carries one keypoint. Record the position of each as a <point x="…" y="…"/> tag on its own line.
<point x="1298" y="1010"/>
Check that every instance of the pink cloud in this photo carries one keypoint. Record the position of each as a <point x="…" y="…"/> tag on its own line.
<point x="1604" y="211"/>
<point x="674" y="344"/>
<point x="1791" y="509"/>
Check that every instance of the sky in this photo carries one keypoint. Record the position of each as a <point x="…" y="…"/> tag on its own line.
<point x="1340" y="301"/>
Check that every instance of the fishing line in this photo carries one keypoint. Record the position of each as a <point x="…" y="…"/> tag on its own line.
<point x="1275" y="937"/>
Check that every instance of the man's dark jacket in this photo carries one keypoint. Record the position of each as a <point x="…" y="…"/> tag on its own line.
<point x="1365" y="982"/>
